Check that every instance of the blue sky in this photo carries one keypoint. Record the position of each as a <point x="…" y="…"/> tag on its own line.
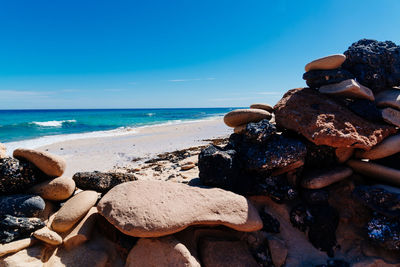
<point x="141" y="54"/>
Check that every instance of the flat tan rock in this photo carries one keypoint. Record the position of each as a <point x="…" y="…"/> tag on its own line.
<point x="3" y="151"/>
<point x="326" y="63"/>
<point x="50" y="164"/>
<point x="391" y="116"/>
<point x="320" y="179"/>
<point x="343" y="154"/>
<point x="348" y="88"/>
<point x="244" y="116"/>
<point x="186" y="167"/>
<point x="288" y="168"/>
<point x="163" y="251"/>
<point x="82" y="231"/>
<point x="262" y="106"/>
<point x="74" y="210"/>
<point x="84" y="255"/>
<point x="221" y="253"/>
<point x="27" y="257"/>
<point x="56" y="189"/>
<point x="15" y="246"/>
<point x="158" y="208"/>
<point x="376" y="171"/>
<point x="388" y="147"/>
<point x="48" y="236"/>
<point x="389" y="98"/>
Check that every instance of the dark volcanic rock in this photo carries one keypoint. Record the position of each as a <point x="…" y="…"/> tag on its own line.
<point x="334" y="263"/>
<point x="259" y="131"/>
<point x="375" y="64"/>
<point x="319" y="156"/>
<point x="218" y="167"/>
<point x="278" y="152"/>
<point x="276" y="187"/>
<point x="301" y="217"/>
<point x="13" y="228"/>
<point x="318" y="78"/>
<point x="18" y="175"/>
<point x="21" y="205"/>
<point x="366" y="109"/>
<point x="100" y="181"/>
<point x="270" y="224"/>
<point x="315" y="196"/>
<point x="324" y="122"/>
<point x="379" y="199"/>
<point x="385" y="232"/>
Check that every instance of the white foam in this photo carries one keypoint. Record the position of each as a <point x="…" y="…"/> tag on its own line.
<point x="48" y="140"/>
<point x="52" y="123"/>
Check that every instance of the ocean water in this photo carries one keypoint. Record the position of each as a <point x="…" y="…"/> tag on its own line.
<point x="58" y="125"/>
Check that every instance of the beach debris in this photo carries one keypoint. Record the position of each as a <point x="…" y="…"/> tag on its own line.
<point x="100" y="181"/>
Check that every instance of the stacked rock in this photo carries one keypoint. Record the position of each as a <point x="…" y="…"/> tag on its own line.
<point x="324" y="156"/>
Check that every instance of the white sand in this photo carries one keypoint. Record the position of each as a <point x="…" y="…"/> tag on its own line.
<point x="103" y="153"/>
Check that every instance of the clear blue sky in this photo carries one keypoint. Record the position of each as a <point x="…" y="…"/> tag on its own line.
<point x="137" y="54"/>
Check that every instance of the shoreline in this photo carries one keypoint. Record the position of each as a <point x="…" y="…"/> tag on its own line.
<point x="124" y="151"/>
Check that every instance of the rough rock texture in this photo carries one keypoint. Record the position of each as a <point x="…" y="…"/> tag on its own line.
<point x="322" y="121"/>
<point x="164" y="251"/>
<point x="386" y="148"/>
<point x="73" y="210"/>
<point x="365" y="109"/>
<point x="218" y="167"/>
<point x="13" y="228"/>
<point x="243" y="116"/>
<point x="157" y="208"/>
<point x="375" y="64"/>
<point x="385" y="232"/>
<point x="379" y="200"/>
<point x="18" y="175"/>
<point x="322" y="178"/>
<point x="48" y="236"/>
<point x="50" y="164"/>
<point x="326" y="63"/>
<point x="262" y="106"/>
<point x="16" y="246"/>
<point x="318" y="78"/>
<point x="259" y="132"/>
<point x="389" y="98"/>
<point x="348" y="88"/>
<point x="56" y="189"/>
<point x="221" y="253"/>
<point x="101" y="182"/>
<point x="21" y="205"/>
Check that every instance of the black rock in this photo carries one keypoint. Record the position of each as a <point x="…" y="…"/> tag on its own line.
<point x="262" y="255"/>
<point x="322" y="232"/>
<point x="319" y="156"/>
<point x="375" y="64"/>
<point x="21" y="205"/>
<point x="18" y="175"/>
<point x="384" y="232"/>
<point x="392" y="161"/>
<point x="278" y="152"/>
<point x="100" y="181"/>
<point x="334" y="263"/>
<point x="259" y="132"/>
<point x="270" y="224"/>
<point x="365" y="109"/>
<point x="218" y="167"/>
<point x="379" y="200"/>
<point x="315" y="196"/>
<point x="13" y="228"/>
<point x="301" y="217"/>
<point x="276" y="187"/>
<point x="318" y="78"/>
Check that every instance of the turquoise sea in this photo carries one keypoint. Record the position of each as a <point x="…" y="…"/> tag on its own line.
<point x="18" y="125"/>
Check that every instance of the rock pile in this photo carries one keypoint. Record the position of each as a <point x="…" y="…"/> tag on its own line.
<point x="328" y="155"/>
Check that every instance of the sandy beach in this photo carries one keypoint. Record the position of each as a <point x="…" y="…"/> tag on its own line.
<point x="123" y="151"/>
